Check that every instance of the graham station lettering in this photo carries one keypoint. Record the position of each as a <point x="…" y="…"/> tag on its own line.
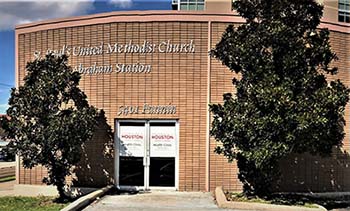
<point x="118" y="68"/>
<point x="147" y="109"/>
<point x="130" y="47"/>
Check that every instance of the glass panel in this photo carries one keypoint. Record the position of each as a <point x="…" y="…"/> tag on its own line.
<point x="131" y="151"/>
<point x="162" y="172"/>
<point x="183" y="7"/>
<point x="192" y="7"/>
<point x="341" y="17"/>
<point x="163" y="153"/>
<point x="131" y="171"/>
<point x="341" y="7"/>
<point x="132" y="124"/>
<point x="347" y="7"/>
<point x="132" y="139"/>
<point x="162" y="140"/>
<point x="163" y="124"/>
<point x="200" y="7"/>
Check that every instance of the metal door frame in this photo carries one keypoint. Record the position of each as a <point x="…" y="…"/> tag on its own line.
<point x="146" y="158"/>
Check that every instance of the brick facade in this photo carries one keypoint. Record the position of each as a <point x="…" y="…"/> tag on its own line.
<point x="190" y="81"/>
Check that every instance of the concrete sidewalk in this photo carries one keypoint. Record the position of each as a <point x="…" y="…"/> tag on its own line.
<point x="157" y="201"/>
<point x="6" y="188"/>
<point x="7" y="164"/>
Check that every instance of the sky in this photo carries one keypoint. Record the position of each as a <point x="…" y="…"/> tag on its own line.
<point x="14" y="12"/>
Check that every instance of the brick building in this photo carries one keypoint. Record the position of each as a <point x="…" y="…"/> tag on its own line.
<point x="151" y="74"/>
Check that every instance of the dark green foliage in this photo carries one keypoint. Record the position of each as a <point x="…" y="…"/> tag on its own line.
<point x="2" y="133"/>
<point x="50" y="118"/>
<point x="283" y="102"/>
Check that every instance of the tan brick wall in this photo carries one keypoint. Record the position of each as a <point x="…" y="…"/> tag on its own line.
<point x="222" y="173"/>
<point x="179" y="79"/>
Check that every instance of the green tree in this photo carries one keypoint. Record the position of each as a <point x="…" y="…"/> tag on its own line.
<point x="50" y="119"/>
<point x="2" y="133"/>
<point x="283" y="103"/>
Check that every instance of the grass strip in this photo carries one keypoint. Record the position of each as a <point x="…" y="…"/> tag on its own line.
<point x="240" y="197"/>
<point x="40" y="203"/>
<point x="6" y="179"/>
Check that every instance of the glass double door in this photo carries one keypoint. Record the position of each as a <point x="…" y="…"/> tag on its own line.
<point x="146" y="154"/>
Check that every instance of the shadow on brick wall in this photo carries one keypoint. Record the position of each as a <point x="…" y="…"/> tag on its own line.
<point x="96" y="168"/>
<point x="307" y="173"/>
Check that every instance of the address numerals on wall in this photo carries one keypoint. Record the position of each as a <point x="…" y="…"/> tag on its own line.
<point x="147" y="109"/>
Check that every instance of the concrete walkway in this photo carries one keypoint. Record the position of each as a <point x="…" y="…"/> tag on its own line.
<point x="157" y="201"/>
<point x="6" y="188"/>
<point x="7" y="164"/>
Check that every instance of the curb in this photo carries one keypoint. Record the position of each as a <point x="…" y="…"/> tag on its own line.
<point x="87" y="199"/>
<point x="223" y="203"/>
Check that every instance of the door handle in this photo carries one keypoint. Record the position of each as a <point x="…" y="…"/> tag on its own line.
<point x="146" y="161"/>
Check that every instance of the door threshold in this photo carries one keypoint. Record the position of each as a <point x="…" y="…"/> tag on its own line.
<point x="131" y="189"/>
<point x="162" y="189"/>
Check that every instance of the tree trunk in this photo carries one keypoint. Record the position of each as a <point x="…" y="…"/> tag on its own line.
<point x="60" y="188"/>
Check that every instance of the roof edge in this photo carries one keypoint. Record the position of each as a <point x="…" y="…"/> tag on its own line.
<point x="154" y="15"/>
<point x="134" y="13"/>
